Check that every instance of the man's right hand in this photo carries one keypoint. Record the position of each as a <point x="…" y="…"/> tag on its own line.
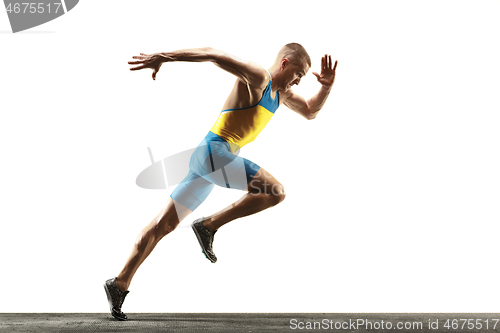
<point x="152" y="61"/>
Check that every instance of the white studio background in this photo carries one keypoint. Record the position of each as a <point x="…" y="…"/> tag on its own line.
<point x="392" y="191"/>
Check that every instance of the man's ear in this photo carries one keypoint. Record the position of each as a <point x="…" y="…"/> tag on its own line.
<point x="284" y="63"/>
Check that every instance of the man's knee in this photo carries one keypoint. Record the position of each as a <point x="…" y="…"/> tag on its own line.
<point x="168" y="219"/>
<point x="155" y="231"/>
<point x="165" y="225"/>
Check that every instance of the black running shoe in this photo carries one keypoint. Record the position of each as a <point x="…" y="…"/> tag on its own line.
<point x="205" y="238"/>
<point x="115" y="299"/>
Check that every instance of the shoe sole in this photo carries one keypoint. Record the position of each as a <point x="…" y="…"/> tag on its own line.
<point x="201" y="244"/>
<point x="110" y="302"/>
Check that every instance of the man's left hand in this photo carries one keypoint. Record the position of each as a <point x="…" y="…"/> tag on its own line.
<point x="327" y="76"/>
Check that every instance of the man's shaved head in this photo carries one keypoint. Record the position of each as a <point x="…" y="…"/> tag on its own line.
<point x="294" y="52"/>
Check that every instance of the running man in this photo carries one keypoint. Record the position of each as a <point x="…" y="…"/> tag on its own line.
<point x="256" y="95"/>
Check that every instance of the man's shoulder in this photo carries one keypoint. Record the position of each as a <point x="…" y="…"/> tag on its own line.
<point x="259" y="76"/>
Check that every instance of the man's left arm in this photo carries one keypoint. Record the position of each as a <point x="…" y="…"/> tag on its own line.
<point x="310" y="108"/>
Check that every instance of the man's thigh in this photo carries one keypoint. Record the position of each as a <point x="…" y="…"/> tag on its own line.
<point x="192" y="191"/>
<point x="225" y="168"/>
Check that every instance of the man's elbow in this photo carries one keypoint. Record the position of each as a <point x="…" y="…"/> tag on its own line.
<point x="306" y="112"/>
<point x="311" y="115"/>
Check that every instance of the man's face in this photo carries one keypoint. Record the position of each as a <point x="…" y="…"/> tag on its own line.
<point x="293" y="73"/>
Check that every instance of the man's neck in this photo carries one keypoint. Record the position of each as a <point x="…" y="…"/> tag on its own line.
<point x="274" y="74"/>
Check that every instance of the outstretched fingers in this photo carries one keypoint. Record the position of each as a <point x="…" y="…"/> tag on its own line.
<point x="137" y="68"/>
<point x="326" y="62"/>
<point x="141" y="60"/>
<point x="141" y="64"/>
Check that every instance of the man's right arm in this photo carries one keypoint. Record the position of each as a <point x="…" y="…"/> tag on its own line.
<point x="248" y="72"/>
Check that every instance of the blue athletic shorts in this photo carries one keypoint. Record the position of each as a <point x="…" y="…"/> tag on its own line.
<point x="212" y="163"/>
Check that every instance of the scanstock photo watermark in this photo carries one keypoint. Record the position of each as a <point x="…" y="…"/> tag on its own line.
<point x="25" y="15"/>
<point x="435" y="324"/>
<point x="172" y="170"/>
<point x="165" y="172"/>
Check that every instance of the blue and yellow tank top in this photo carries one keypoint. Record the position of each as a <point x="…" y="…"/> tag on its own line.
<point x="242" y="126"/>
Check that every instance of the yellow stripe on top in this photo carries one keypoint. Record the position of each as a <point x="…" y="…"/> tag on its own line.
<point x="242" y="126"/>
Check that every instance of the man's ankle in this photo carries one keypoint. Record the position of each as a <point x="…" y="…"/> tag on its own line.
<point x="208" y="225"/>
<point x="121" y="285"/>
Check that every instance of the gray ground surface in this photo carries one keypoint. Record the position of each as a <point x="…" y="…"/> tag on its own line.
<point x="248" y="322"/>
